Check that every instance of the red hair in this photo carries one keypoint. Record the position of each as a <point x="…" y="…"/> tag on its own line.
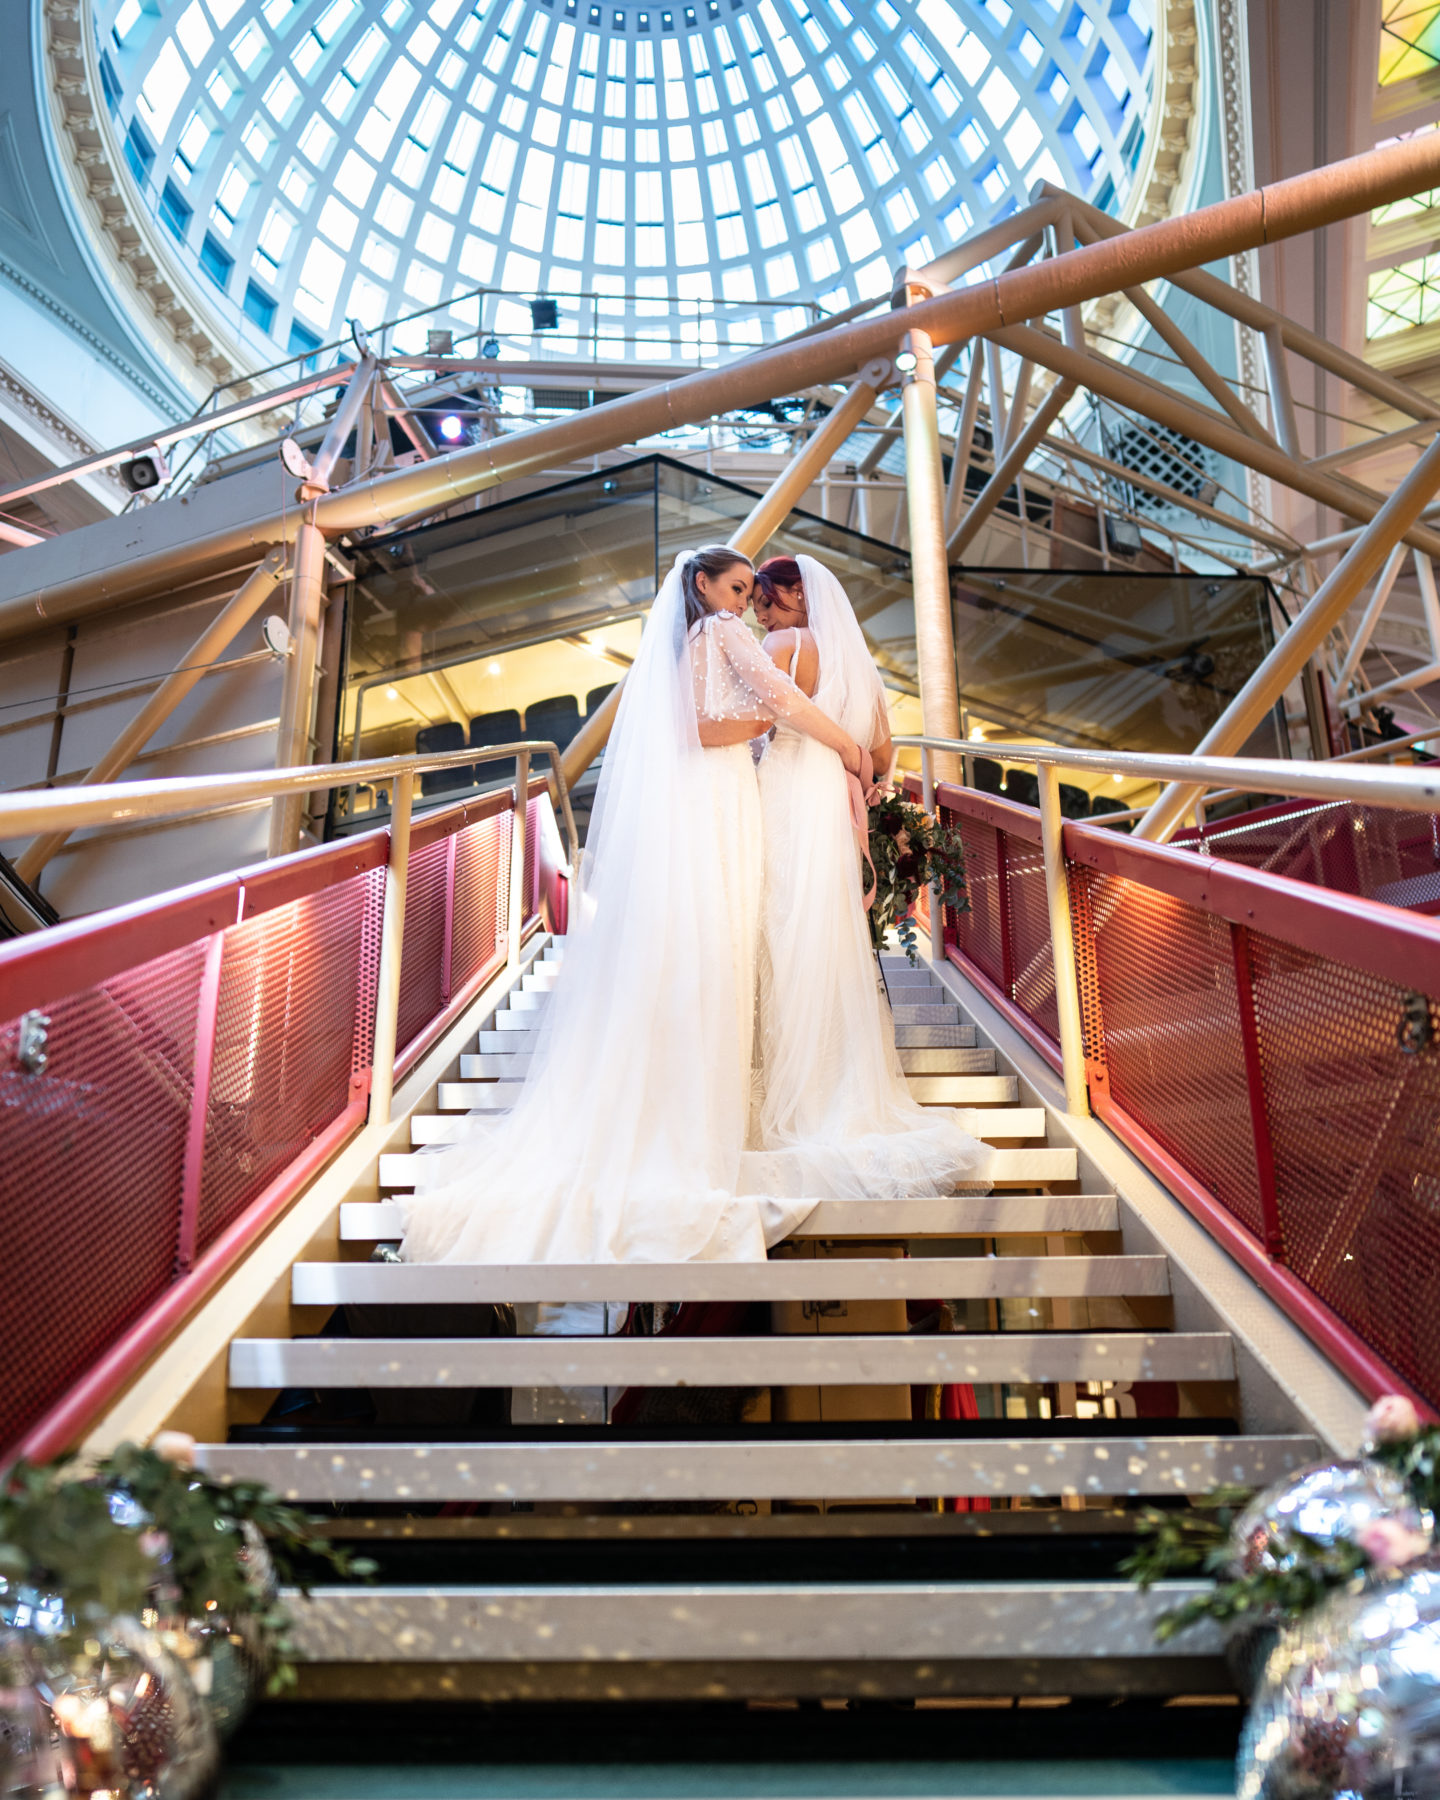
<point x="777" y="572"/>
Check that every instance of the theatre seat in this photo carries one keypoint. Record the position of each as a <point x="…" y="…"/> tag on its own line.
<point x="557" y="719"/>
<point x="501" y="727"/>
<point x="434" y="738"/>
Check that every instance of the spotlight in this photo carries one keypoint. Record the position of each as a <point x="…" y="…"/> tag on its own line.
<point x="544" y="315"/>
<point x="490" y="349"/>
<point x="144" y="472"/>
<point x="905" y="361"/>
<point x="452" y="428"/>
<point x="439" y="343"/>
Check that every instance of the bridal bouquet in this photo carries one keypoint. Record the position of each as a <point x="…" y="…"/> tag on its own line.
<point x="910" y="849"/>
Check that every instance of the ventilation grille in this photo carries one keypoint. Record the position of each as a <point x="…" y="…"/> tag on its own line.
<point x="1164" y="455"/>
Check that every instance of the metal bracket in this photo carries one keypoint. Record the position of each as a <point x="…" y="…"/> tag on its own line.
<point x="823" y="1309"/>
<point x="31" y="1052"/>
<point x="1414" y="1032"/>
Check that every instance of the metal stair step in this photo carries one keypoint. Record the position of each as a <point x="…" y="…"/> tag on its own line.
<point x="459" y="1097"/>
<point x="922" y="1014"/>
<point x="948" y="1216"/>
<point x="785" y="1278"/>
<point x="869" y="1361"/>
<point x="911" y="980"/>
<point x="958" y="1090"/>
<point x="943" y="1037"/>
<point x="495" y="1067"/>
<point x="513" y="1024"/>
<point x="939" y="1061"/>
<point x="848" y="1468"/>
<point x="523" y="1000"/>
<point x="1012" y="1168"/>
<point x="619" y="1626"/>
<point x="507" y="1040"/>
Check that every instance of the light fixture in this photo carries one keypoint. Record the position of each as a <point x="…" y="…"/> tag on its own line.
<point x="1117" y="779"/>
<point x="495" y="669"/>
<point x="490" y="348"/>
<point x="452" y="428"/>
<point x="392" y="693"/>
<point x="905" y="361"/>
<point x="439" y="343"/>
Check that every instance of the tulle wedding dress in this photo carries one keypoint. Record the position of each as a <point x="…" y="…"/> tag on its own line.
<point x="627" y="1137"/>
<point x="832" y="1106"/>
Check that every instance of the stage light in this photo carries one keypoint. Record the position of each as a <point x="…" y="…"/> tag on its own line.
<point x="905" y="361"/>
<point x="490" y="348"/>
<point x="452" y="428"/>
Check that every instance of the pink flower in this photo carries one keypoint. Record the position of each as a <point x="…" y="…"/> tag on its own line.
<point x="1391" y="1420"/>
<point x="176" y="1447"/>
<point x="1390" y="1545"/>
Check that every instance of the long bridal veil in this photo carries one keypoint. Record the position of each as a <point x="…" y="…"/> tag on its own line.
<point x="625" y="1142"/>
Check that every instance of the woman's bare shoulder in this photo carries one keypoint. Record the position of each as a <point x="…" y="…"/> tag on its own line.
<point x="780" y="646"/>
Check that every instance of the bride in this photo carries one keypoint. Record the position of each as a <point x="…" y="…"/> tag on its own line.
<point x="831" y="1098"/>
<point x="626" y="1143"/>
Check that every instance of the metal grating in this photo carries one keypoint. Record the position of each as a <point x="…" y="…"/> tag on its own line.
<point x="285" y="1039"/>
<point x="1355" y="1125"/>
<point x="92" y="1150"/>
<point x="532" y="859"/>
<point x="978" y="931"/>
<point x="482" y="863"/>
<point x="1087" y="976"/>
<point x="1165" y="974"/>
<point x="1032" y="960"/>
<point x="1377" y="851"/>
<point x="422" y="953"/>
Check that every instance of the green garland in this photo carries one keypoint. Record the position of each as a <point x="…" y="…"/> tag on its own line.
<point x="58" y="1536"/>
<point x="910" y="849"/>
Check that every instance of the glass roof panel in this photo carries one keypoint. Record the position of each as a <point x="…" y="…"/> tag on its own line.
<point x="363" y="158"/>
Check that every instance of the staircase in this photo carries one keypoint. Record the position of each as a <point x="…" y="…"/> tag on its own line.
<point x="740" y="1548"/>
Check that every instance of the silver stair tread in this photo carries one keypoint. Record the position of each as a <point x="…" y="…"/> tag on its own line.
<point x="944" y="1037"/>
<point x="871" y="1361"/>
<point x="951" y="1215"/>
<point x="497" y="1066"/>
<point x="923" y="1014"/>
<point x="844" y="1468"/>
<point x="1019" y="1168"/>
<point x="785" y="1278"/>
<point x="455" y="1098"/>
<point x="769" y="1621"/>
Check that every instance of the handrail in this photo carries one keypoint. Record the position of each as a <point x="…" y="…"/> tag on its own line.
<point x="1412" y="788"/>
<point x="109" y="803"/>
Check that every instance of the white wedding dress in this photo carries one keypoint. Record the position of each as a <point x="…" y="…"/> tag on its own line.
<point x="831" y="1102"/>
<point x="626" y="1141"/>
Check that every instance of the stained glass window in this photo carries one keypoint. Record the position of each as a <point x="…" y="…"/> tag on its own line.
<point x="743" y="159"/>
<point x="1409" y="39"/>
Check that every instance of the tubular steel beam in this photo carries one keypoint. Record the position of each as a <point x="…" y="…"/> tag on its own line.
<point x="1023" y="444"/>
<point x="217" y="636"/>
<point x="753" y="533"/>
<point x="1167" y="248"/>
<point x="1209" y="377"/>
<point x="929" y="569"/>
<point x="297" y="692"/>
<point x="1311" y="627"/>
<point x="1126" y="389"/>
<point x="964" y="440"/>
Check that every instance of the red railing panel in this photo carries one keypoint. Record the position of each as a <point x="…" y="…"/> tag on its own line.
<point x="1174" y="1051"/>
<point x="1032" y="961"/>
<point x="482" y="867"/>
<point x="1355" y="1126"/>
<point x="422" y="954"/>
<point x="92" y="1151"/>
<point x="287" y="1048"/>
<point x="979" y="932"/>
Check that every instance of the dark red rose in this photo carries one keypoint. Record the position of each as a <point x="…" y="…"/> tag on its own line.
<point x="907" y="868"/>
<point x="890" y="823"/>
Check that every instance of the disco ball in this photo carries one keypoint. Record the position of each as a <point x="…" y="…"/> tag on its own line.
<point x="1329" y="1503"/>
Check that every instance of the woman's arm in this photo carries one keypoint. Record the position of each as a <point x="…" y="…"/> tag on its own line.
<point x="776" y="693"/>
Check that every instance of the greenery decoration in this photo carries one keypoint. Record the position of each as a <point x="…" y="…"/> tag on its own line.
<point x="59" y="1538"/>
<point x="1174" y="1544"/>
<point x="910" y="849"/>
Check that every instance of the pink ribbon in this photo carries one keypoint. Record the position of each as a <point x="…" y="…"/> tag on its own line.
<point x="858" y="786"/>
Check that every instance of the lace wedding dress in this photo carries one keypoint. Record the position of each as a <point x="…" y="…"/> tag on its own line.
<point x="626" y="1140"/>
<point x="832" y="1107"/>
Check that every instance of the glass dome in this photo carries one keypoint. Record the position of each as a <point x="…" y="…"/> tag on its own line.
<point x="735" y="162"/>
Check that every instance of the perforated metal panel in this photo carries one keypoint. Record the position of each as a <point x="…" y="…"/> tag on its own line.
<point x="978" y="931"/>
<point x="1165" y="977"/>
<point x="1032" y="960"/>
<point x="91" y="1152"/>
<point x="291" y="983"/>
<point x="532" y="858"/>
<point x="1376" y="851"/>
<point x="422" y="954"/>
<point x="482" y="862"/>
<point x="1355" y="1125"/>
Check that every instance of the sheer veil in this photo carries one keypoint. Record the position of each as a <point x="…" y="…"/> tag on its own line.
<point x="628" y="1130"/>
<point x="850" y="689"/>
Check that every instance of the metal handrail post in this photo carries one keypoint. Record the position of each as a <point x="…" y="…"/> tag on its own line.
<point x="937" y="919"/>
<point x="392" y="937"/>
<point x="516" y="919"/>
<point x="1062" y="944"/>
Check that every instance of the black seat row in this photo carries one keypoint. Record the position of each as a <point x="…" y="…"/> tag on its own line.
<point x="1024" y="789"/>
<point x="555" y="720"/>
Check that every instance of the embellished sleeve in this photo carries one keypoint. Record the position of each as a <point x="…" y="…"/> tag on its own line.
<point x="735" y="679"/>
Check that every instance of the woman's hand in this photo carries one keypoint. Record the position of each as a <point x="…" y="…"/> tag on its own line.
<point x="853" y="757"/>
